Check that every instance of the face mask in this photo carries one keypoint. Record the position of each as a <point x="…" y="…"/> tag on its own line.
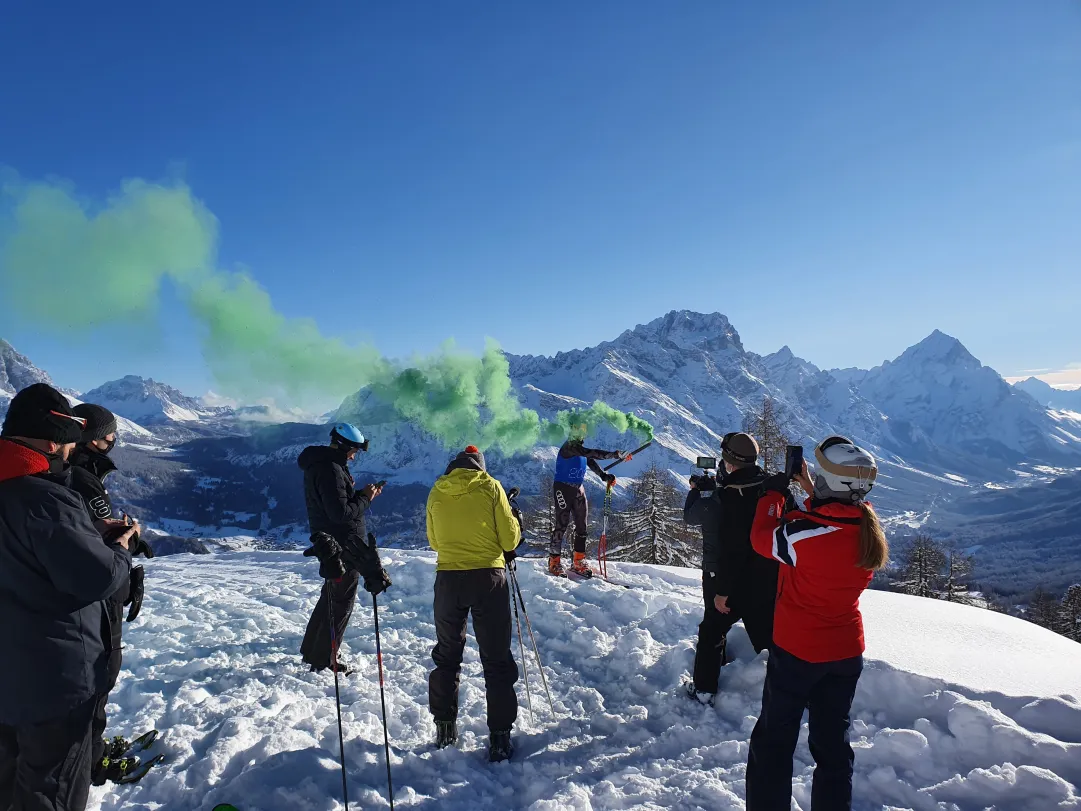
<point x="110" y="444"/>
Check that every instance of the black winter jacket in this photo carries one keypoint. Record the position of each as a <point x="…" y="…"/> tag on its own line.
<point x="726" y="516"/>
<point x="334" y="506"/>
<point x="55" y="571"/>
<point x="88" y="473"/>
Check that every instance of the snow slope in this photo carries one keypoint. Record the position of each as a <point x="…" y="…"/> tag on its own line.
<point x="958" y="709"/>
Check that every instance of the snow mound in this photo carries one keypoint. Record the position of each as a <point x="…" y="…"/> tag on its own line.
<point x="958" y="708"/>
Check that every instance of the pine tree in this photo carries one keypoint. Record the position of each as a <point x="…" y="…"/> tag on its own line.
<point x="539" y="515"/>
<point x="958" y="570"/>
<point x="1071" y="613"/>
<point x="766" y="425"/>
<point x="651" y="529"/>
<point x="924" y="562"/>
<point x="1043" y="610"/>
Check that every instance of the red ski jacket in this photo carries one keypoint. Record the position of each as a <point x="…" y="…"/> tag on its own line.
<point x="818" y="591"/>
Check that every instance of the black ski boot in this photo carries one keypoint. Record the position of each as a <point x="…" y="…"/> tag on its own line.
<point x="446" y="734"/>
<point x="343" y="669"/>
<point x="500" y="747"/>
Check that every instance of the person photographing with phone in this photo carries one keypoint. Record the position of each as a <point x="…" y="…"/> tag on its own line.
<point x="736" y="583"/>
<point x="828" y="551"/>
<point x="339" y="541"/>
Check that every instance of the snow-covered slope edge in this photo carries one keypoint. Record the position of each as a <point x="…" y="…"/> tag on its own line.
<point x="956" y="706"/>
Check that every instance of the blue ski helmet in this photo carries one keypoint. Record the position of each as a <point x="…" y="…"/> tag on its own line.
<point x="349" y="435"/>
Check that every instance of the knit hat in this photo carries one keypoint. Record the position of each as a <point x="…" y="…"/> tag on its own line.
<point x="739" y="449"/>
<point x="41" y="412"/>
<point x="100" y="421"/>
<point x="469" y="459"/>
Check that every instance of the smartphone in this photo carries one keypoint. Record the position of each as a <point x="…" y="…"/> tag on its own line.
<point x="706" y="463"/>
<point x="381" y="484"/>
<point x="793" y="460"/>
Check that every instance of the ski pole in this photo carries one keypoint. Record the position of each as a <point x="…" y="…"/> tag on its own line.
<point x="533" y="639"/>
<point x="383" y="699"/>
<point x="629" y="455"/>
<point x="521" y="648"/>
<point x="602" y="545"/>
<point x="337" y="693"/>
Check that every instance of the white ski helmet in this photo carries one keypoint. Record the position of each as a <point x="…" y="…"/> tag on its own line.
<point x="845" y="470"/>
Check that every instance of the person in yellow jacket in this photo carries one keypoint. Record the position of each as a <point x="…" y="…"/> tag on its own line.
<point x="474" y="530"/>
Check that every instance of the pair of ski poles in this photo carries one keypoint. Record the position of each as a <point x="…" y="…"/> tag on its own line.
<point x="337" y="694"/>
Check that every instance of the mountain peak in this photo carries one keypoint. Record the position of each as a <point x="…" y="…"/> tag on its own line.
<point x="943" y="348"/>
<point x="687" y="328"/>
<point x="146" y="400"/>
<point x="17" y="371"/>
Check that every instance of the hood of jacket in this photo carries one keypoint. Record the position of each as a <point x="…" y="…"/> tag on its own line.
<point x="318" y="454"/>
<point x="461" y="481"/>
<point x="19" y="460"/>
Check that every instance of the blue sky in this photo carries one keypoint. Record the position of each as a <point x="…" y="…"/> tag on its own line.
<point x="841" y="177"/>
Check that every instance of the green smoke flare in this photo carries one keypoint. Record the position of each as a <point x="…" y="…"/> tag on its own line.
<point x="112" y="260"/>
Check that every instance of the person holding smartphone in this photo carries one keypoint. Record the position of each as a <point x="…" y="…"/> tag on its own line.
<point x="828" y="552"/>
<point x="339" y="541"/>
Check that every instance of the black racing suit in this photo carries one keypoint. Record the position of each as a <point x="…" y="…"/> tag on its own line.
<point x="334" y="507"/>
<point x="730" y="568"/>
<point x="570" y="497"/>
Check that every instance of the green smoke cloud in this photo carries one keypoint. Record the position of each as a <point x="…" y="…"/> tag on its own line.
<point x="113" y="259"/>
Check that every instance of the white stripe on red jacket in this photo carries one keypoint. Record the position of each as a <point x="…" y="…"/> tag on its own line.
<point x="818" y="591"/>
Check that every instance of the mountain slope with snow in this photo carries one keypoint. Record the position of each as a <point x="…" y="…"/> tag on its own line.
<point x="148" y="402"/>
<point x="1047" y="395"/>
<point x="958" y="709"/>
<point x="946" y="406"/>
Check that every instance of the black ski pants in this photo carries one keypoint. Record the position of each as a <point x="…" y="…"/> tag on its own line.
<point x="571" y="506"/>
<point x="484" y="593"/>
<point x="46" y="767"/>
<point x="112" y="630"/>
<point x="756" y="611"/>
<point x="341" y="594"/>
<point x="825" y="689"/>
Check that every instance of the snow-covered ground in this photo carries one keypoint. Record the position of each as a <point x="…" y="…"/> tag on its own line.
<point x="957" y="709"/>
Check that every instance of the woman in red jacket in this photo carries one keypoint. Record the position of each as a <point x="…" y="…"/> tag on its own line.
<point x="829" y="551"/>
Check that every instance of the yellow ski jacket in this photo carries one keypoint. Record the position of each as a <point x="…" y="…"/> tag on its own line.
<point x="470" y="523"/>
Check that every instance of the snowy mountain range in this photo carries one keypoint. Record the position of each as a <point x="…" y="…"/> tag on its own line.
<point x="1047" y="395"/>
<point x="151" y="403"/>
<point x="944" y="426"/>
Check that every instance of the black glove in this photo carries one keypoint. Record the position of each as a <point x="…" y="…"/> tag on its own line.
<point x="135" y="593"/>
<point x="610" y="479"/>
<point x="777" y="483"/>
<point x="509" y="557"/>
<point x="377" y="582"/>
<point x="329" y="554"/>
<point x="140" y="547"/>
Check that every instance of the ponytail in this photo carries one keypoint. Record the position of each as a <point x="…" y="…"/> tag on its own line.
<point x="874" y="549"/>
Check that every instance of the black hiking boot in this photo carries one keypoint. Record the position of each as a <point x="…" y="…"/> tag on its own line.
<point x="446" y="734"/>
<point x="500" y="747"/>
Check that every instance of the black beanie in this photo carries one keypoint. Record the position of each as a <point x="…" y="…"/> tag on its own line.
<point x="41" y="412"/>
<point x="100" y="421"/>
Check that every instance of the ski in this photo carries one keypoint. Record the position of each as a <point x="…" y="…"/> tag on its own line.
<point x="140" y="771"/>
<point x="143" y="742"/>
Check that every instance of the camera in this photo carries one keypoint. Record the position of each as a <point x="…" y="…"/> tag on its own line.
<point x="704" y="480"/>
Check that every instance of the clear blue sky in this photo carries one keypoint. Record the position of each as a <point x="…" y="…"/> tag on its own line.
<point x="843" y="177"/>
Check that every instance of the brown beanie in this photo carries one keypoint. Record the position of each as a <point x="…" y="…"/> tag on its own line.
<point x="739" y="449"/>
